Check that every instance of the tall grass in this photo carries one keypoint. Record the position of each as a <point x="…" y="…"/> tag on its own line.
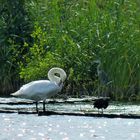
<point x="72" y="34"/>
<point x="76" y="33"/>
<point x="14" y="29"/>
<point x="120" y="53"/>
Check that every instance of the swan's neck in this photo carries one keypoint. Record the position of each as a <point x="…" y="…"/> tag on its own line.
<point x="56" y="79"/>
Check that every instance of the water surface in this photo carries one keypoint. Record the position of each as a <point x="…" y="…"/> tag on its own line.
<point x="16" y="126"/>
<point x="33" y="127"/>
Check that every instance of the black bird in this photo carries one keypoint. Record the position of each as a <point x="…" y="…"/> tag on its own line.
<point x="101" y="103"/>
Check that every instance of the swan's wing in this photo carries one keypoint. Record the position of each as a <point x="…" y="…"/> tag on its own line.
<point x="34" y="83"/>
<point x="27" y="89"/>
<point x="26" y="85"/>
<point x="38" y="90"/>
<point x="45" y="90"/>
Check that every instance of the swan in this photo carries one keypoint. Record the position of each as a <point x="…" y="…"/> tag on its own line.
<point x="43" y="89"/>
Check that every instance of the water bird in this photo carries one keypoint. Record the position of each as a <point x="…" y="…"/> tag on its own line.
<point x="105" y="84"/>
<point x="43" y="89"/>
<point x="101" y="103"/>
<point x="102" y="75"/>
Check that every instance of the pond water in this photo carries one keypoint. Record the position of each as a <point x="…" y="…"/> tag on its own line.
<point x="34" y="127"/>
<point x="16" y="126"/>
<point x="113" y="108"/>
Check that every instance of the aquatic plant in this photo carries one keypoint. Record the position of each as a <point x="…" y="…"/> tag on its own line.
<point x="71" y="34"/>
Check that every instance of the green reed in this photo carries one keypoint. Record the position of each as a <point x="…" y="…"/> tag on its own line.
<point x="72" y="34"/>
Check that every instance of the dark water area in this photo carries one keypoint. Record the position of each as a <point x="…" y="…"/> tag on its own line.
<point x="16" y="126"/>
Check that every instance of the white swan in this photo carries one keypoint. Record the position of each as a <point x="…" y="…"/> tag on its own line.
<point x="43" y="89"/>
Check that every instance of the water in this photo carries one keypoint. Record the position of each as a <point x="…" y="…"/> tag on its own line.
<point x="33" y="127"/>
<point x="16" y="126"/>
<point x="113" y="108"/>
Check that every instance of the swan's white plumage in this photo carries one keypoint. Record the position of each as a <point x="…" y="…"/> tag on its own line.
<point x="43" y="89"/>
<point x="38" y="90"/>
<point x="52" y="77"/>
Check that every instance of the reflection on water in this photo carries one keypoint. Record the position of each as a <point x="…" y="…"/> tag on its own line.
<point x="33" y="127"/>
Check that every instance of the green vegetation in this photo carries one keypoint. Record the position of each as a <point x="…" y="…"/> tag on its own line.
<point x="37" y="35"/>
<point x="15" y="29"/>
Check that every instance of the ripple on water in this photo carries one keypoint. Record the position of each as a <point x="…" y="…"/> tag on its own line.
<point x="33" y="127"/>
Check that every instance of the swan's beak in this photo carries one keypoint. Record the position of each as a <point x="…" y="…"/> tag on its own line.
<point x="60" y="83"/>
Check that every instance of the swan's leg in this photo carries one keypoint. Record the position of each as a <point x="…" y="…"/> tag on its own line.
<point x="36" y="103"/>
<point x="44" y="109"/>
<point x="102" y="111"/>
